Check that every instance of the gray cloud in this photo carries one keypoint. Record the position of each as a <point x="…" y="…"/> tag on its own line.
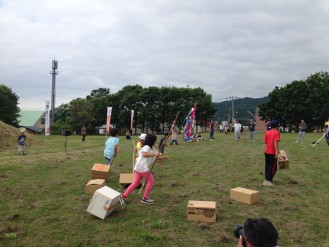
<point x="241" y="48"/>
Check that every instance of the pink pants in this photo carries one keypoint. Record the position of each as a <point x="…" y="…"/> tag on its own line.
<point x="137" y="180"/>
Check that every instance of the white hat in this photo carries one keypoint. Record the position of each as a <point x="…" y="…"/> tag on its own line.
<point x="142" y="136"/>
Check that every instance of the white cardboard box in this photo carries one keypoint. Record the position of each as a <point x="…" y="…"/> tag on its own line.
<point x="104" y="201"/>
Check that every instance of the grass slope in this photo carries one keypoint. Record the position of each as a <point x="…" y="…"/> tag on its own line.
<point x="43" y="202"/>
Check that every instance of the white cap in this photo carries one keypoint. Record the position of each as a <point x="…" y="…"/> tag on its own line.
<point x="142" y="136"/>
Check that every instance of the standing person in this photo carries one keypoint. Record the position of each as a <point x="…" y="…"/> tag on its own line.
<point x="237" y="130"/>
<point x="251" y="127"/>
<point x="326" y="132"/>
<point x="111" y="146"/>
<point x="128" y="135"/>
<point x="142" y="167"/>
<point x="212" y="129"/>
<point x="174" y="133"/>
<point x="301" y="134"/>
<point x="271" y="139"/>
<point x="163" y="143"/>
<point x="21" y="142"/>
<point x="83" y="133"/>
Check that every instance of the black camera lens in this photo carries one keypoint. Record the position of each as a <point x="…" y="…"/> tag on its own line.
<point x="238" y="230"/>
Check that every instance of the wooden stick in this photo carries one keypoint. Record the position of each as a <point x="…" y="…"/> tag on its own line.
<point x="255" y="120"/>
<point x="174" y="123"/>
<point x="134" y="156"/>
<point x="318" y="140"/>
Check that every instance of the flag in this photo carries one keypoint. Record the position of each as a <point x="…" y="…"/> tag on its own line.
<point x="108" y="120"/>
<point x="132" y="119"/>
<point x="47" y="125"/>
<point x="189" y="125"/>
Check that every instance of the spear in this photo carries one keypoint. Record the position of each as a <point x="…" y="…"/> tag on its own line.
<point x="255" y="119"/>
<point x="172" y="127"/>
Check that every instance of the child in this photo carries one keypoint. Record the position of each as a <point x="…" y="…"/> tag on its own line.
<point x="111" y="146"/>
<point x="21" y="143"/>
<point x="139" y="144"/>
<point x="271" y="139"/>
<point x="146" y="158"/>
<point x="128" y="135"/>
<point x="163" y="143"/>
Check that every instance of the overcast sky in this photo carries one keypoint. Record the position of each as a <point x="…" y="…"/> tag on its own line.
<point x="229" y="48"/>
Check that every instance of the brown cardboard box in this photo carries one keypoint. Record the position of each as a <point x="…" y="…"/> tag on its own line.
<point x="94" y="185"/>
<point x="244" y="195"/>
<point x="126" y="178"/>
<point x="105" y="200"/>
<point x="204" y="211"/>
<point x="283" y="161"/>
<point x="100" y="171"/>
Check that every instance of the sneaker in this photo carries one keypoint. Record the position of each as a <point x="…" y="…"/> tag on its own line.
<point x="147" y="201"/>
<point x="267" y="183"/>
<point x="122" y="201"/>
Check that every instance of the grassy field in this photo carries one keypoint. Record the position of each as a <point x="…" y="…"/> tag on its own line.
<point x="43" y="202"/>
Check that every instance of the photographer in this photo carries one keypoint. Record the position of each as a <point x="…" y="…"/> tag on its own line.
<point x="257" y="233"/>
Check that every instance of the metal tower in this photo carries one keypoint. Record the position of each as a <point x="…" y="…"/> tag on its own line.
<point x="53" y="87"/>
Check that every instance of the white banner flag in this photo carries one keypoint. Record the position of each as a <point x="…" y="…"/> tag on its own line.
<point x="47" y="125"/>
<point x="132" y="120"/>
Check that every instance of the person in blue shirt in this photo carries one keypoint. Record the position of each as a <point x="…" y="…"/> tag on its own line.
<point x="111" y="146"/>
<point x="251" y="127"/>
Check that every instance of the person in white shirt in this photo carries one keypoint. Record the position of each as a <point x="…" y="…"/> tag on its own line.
<point x="237" y="130"/>
<point x="146" y="158"/>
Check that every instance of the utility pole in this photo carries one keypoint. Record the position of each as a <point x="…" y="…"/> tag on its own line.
<point x="232" y="98"/>
<point x="53" y="89"/>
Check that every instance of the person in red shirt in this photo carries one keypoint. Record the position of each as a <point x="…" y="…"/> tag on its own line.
<point x="271" y="139"/>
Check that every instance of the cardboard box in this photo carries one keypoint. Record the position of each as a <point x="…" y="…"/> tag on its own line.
<point x="94" y="185"/>
<point x="100" y="171"/>
<point x="204" y="211"/>
<point x="244" y="195"/>
<point x="104" y="201"/>
<point x="126" y="178"/>
<point x="283" y="161"/>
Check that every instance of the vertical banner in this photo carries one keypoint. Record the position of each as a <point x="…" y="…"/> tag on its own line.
<point x="47" y="120"/>
<point x="132" y="120"/>
<point x="108" y="120"/>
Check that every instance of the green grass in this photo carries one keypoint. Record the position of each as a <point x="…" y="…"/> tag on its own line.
<point x="43" y="202"/>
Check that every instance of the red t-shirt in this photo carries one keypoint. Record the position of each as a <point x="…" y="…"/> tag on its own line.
<point x="269" y="137"/>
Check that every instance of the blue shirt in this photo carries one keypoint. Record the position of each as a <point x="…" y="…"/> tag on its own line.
<point x="109" y="147"/>
<point x="251" y="127"/>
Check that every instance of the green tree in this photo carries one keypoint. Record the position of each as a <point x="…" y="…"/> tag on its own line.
<point x="99" y="99"/>
<point x="303" y="99"/>
<point x="81" y="113"/>
<point x="9" y="110"/>
<point x="61" y="112"/>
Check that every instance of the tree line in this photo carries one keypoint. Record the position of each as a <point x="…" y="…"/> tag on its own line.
<point x="301" y="99"/>
<point x="153" y="107"/>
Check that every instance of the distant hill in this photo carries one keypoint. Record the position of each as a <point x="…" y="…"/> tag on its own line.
<point x="241" y="108"/>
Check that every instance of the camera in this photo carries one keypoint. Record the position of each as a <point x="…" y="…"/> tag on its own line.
<point x="238" y="231"/>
